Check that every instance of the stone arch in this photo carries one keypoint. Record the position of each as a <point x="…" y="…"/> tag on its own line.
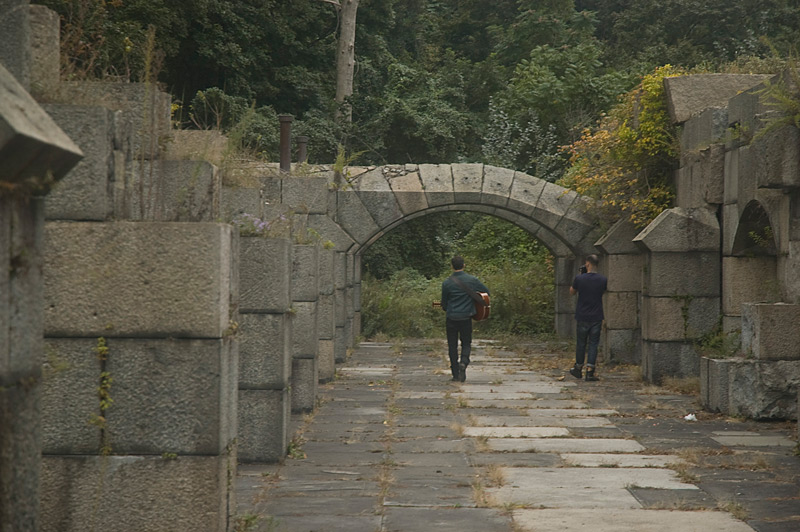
<point x="754" y="232"/>
<point x="381" y="198"/>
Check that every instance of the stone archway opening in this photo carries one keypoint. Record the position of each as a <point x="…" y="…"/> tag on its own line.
<point x="750" y="273"/>
<point x="519" y="269"/>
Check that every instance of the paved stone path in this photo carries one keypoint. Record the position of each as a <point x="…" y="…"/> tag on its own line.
<point x="395" y="446"/>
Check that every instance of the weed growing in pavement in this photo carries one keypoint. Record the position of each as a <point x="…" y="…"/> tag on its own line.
<point x="735" y="509"/>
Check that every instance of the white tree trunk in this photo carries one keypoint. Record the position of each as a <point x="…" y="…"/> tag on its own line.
<point x="346" y="57"/>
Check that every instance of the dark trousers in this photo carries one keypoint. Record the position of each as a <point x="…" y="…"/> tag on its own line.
<point x="459" y="329"/>
<point x="587" y="332"/>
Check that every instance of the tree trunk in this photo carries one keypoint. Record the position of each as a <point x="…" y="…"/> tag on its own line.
<point x="345" y="58"/>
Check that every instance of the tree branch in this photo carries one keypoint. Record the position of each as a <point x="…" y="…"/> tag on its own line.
<point x="334" y="2"/>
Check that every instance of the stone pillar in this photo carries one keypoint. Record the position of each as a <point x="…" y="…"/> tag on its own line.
<point x="340" y="309"/>
<point x="45" y="50"/>
<point x="265" y="367"/>
<point x="305" y="339"/>
<point x="326" y="325"/>
<point x="566" y="268"/>
<point x="15" y="44"/>
<point x="27" y="130"/>
<point x="622" y="265"/>
<point x="680" y="290"/>
<point x="139" y="404"/>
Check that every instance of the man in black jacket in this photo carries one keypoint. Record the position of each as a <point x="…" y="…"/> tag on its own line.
<point x="460" y="307"/>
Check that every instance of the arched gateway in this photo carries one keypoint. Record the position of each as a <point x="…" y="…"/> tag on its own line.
<point x="376" y="200"/>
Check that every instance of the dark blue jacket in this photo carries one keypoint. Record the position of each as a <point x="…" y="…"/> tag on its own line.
<point x="455" y="301"/>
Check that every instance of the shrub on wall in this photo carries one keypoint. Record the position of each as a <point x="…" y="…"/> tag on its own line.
<point x="626" y="162"/>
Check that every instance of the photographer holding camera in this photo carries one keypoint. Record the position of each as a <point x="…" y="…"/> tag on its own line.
<point x="590" y="286"/>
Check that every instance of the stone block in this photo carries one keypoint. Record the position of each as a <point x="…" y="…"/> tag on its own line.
<point x="172" y="191"/>
<point x="681" y="230"/>
<point x="237" y="201"/>
<point x="770" y="331"/>
<point x="437" y="181"/>
<point x="731" y="176"/>
<point x="624" y="272"/>
<point x="85" y="193"/>
<point x="621" y="346"/>
<point x="356" y="325"/>
<point x="746" y="107"/>
<point x="124" y="493"/>
<point x="552" y="204"/>
<point x="621" y="310"/>
<point x="689" y="95"/>
<point x="715" y="379"/>
<point x="409" y="193"/>
<point x="33" y="144"/>
<point x="777" y="158"/>
<point x="618" y="240"/>
<point x="525" y="191"/>
<point x="305" y="376"/>
<point x="308" y="195"/>
<point x="748" y="280"/>
<point x="264" y="351"/>
<point x="564" y="324"/>
<point x="135" y="282"/>
<point x="326" y="270"/>
<point x="577" y="225"/>
<point x="326" y="323"/>
<point x="747" y="185"/>
<point x="699" y="182"/>
<point x="730" y="223"/>
<point x="340" y="308"/>
<point x="704" y="129"/>
<point x="382" y="206"/>
<point x="693" y="273"/>
<point x="45" y="54"/>
<point x="304" y="329"/>
<point x="69" y="396"/>
<point x="264" y="425"/>
<point x="147" y="110"/>
<point x="340" y="271"/>
<point x="265" y="274"/>
<point x="496" y="185"/>
<point x="172" y="395"/>
<point x="764" y="389"/>
<point x="326" y="360"/>
<point x="675" y="319"/>
<point x="20" y="452"/>
<point x="467" y="182"/>
<point x="669" y="359"/>
<point x="354" y="217"/>
<point x="200" y="145"/>
<point x="305" y="272"/>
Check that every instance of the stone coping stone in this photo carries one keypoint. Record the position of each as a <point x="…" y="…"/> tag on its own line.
<point x="598" y="487"/>
<point x="398" y="519"/>
<point x="283" y="507"/>
<point x="564" y="445"/>
<point x="623" y="520"/>
<point x="352" y="523"/>
<point x="619" y="460"/>
<point x="752" y="440"/>
<point x="433" y="446"/>
<point x="516" y="432"/>
<point x="538" y="421"/>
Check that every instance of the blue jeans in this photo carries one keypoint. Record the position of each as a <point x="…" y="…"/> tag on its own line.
<point x="587" y="332"/>
<point x="456" y="329"/>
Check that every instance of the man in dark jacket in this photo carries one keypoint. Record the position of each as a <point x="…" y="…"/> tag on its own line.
<point x="460" y="307"/>
<point x="590" y="287"/>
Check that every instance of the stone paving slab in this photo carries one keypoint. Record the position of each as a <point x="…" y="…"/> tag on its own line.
<point x="582" y="411"/>
<point x="620" y="520"/>
<point x="753" y="440"/>
<point x="619" y="460"/>
<point x="581" y="487"/>
<point x="539" y="421"/>
<point x="445" y="520"/>
<point x="564" y="445"/>
<point x="516" y="432"/>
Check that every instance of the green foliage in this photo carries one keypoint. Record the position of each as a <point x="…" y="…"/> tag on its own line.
<point x="782" y="95"/>
<point x="401" y="306"/>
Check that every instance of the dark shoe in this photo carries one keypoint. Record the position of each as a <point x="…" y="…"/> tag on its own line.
<point x="576" y="372"/>
<point x="590" y="376"/>
<point x="462" y="372"/>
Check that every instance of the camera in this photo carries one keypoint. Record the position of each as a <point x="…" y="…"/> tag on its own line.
<point x="582" y="269"/>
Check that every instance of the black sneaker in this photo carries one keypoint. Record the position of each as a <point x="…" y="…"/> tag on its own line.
<point x="576" y="372"/>
<point x="462" y="372"/>
<point x="590" y="376"/>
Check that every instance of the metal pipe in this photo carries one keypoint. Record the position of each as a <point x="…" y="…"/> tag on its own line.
<point x="302" y="149"/>
<point x="286" y="142"/>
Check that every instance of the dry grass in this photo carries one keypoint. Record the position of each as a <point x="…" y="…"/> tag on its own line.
<point x="734" y="508"/>
<point x="494" y="476"/>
